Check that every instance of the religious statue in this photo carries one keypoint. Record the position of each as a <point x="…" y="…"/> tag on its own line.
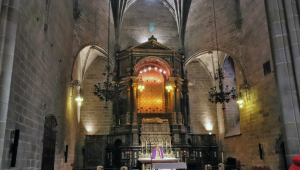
<point x="157" y="153"/>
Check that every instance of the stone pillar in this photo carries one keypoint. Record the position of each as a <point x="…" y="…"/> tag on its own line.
<point x="8" y="31"/>
<point x="283" y="22"/>
<point x="293" y="26"/>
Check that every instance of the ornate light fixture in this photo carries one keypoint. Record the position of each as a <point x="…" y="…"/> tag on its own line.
<point x="220" y="95"/>
<point x="110" y="89"/>
<point x="240" y="103"/>
<point x="169" y="88"/>
<point x="141" y="86"/>
<point x="79" y="99"/>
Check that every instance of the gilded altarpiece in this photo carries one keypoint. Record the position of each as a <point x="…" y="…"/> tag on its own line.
<point x="155" y="115"/>
<point x="152" y="98"/>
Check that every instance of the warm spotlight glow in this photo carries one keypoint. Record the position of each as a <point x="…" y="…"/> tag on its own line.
<point x="208" y="127"/>
<point x="169" y="88"/>
<point x="79" y="100"/>
<point x="149" y="68"/>
<point x="141" y="72"/>
<point x="141" y="87"/>
<point x="240" y="103"/>
<point x="155" y="68"/>
<point x="160" y="70"/>
<point x="164" y="72"/>
<point x="89" y="129"/>
<point x="209" y="133"/>
<point x="145" y="70"/>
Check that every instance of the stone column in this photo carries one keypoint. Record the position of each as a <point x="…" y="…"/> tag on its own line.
<point x="283" y="22"/>
<point x="8" y="31"/>
<point x="293" y="28"/>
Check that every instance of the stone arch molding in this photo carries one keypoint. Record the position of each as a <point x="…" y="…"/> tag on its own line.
<point x="85" y="57"/>
<point x="209" y="59"/>
<point x="155" y="61"/>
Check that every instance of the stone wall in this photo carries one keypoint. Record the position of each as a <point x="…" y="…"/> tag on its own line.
<point x="249" y="46"/>
<point x="203" y="113"/>
<point x="260" y="116"/>
<point x="94" y="118"/>
<point x="91" y="27"/>
<point x="40" y="84"/>
<point x="145" y="18"/>
<point x="200" y="30"/>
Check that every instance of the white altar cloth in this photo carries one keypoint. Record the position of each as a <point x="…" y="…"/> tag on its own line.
<point x="179" y="165"/>
<point x="165" y="160"/>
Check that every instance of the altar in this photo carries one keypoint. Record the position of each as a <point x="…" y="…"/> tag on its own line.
<point x="151" y="161"/>
<point x="166" y="163"/>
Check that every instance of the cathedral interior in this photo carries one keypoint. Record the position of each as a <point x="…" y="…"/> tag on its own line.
<point x="89" y="83"/>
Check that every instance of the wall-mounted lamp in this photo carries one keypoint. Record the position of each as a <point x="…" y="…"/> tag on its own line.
<point x="245" y="89"/>
<point x="169" y="88"/>
<point x="141" y="86"/>
<point x="240" y="102"/>
<point x="79" y="99"/>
